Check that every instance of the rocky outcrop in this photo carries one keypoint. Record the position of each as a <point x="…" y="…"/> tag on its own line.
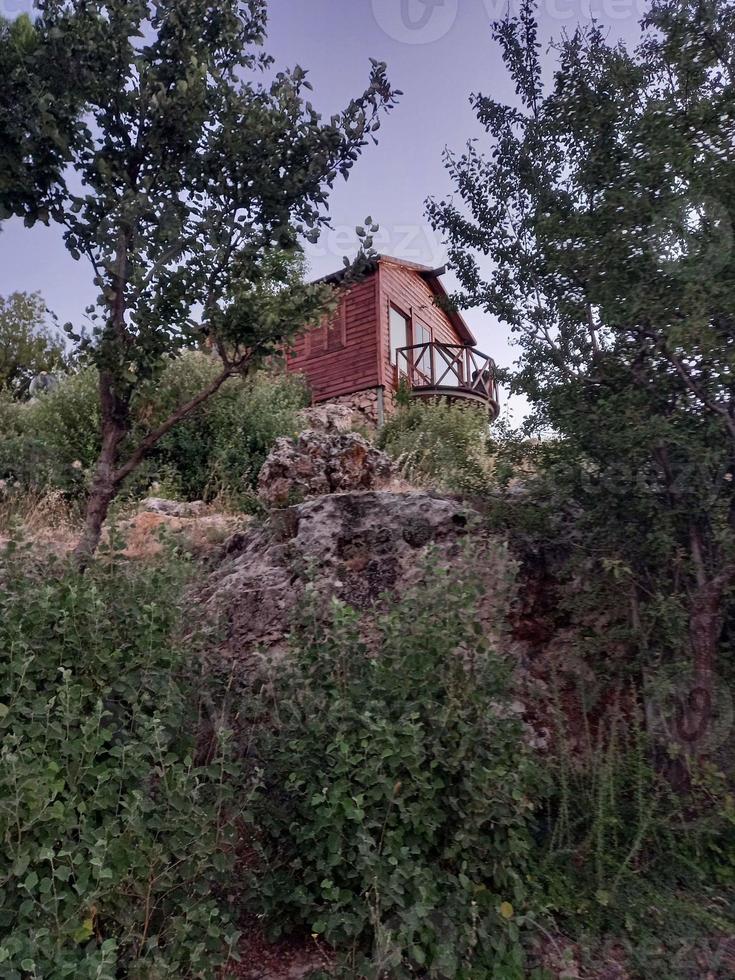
<point x="351" y="546"/>
<point x="318" y="463"/>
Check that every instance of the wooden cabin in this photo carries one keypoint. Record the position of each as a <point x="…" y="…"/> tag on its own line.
<point x="389" y="332"/>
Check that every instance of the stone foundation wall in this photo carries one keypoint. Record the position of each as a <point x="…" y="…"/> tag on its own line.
<point x="364" y="405"/>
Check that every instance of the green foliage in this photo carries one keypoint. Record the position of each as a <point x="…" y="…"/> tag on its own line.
<point x="66" y="422"/>
<point x="53" y="441"/>
<point x="221" y="447"/>
<point x="443" y="445"/>
<point x="604" y="204"/>
<point x="27" y="345"/>
<point x="13" y="445"/>
<point x="39" y="121"/>
<point x="115" y="826"/>
<point x="186" y="171"/>
<point x="627" y="862"/>
<point x="614" y="816"/>
<point x="397" y="799"/>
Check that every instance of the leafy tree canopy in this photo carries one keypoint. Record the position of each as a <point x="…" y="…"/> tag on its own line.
<point x="598" y="224"/>
<point x="189" y="176"/>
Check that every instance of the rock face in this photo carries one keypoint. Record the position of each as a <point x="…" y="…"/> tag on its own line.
<point x="355" y="547"/>
<point x="318" y="463"/>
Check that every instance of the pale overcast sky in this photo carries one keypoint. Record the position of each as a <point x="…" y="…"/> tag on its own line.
<point x="438" y="52"/>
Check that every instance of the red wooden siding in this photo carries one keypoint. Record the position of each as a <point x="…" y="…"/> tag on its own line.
<point x="405" y="289"/>
<point x="341" y="357"/>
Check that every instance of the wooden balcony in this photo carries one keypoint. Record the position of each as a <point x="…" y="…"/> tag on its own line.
<point x="452" y="371"/>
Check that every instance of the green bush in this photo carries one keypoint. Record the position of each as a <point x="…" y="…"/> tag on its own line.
<point x="115" y="835"/>
<point x="65" y="424"/>
<point x="53" y="441"/>
<point x="222" y="446"/>
<point x="442" y="445"/>
<point x="395" y="812"/>
<point x="12" y="440"/>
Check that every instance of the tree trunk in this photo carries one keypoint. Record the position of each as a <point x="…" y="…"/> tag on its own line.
<point x="110" y="473"/>
<point x="106" y="481"/>
<point x="705" y="626"/>
<point x="102" y="493"/>
<point x="694" y="704"/>
<point x="697" y="710"/>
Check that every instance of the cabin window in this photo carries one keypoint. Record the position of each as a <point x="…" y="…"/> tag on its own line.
<point x="330" y="334"/>
<point x="337" y="328"/>
<point x="399" y="333"/>
<point x="316" y="340"/>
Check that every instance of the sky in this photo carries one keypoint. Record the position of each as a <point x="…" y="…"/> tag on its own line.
<point x="437" y="51"/>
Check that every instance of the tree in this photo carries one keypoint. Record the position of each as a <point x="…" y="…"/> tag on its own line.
<point x="27" y="345"/>
<point x="193" y="171"/>
<point x="40" y="119"/>
<point x="605" y="210"/>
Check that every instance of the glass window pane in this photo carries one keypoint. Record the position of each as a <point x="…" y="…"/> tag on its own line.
<point x="398" y="334"/>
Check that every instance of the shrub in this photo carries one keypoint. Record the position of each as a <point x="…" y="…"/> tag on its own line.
<point x="114" y="836"/>
<point x="395" y="812"/>
<point x="442" y="445"/>
<point x="11" y="436"/>
<point x="65" y="422"/>
<point x="221" y="448"/>
<point x="620" y="840"/>
<point x="53" y="441"/>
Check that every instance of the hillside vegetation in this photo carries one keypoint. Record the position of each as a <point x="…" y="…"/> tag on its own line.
<point x="414" y="792"/>
<point x="51" y="442"/>
<point x="457" y="703"/>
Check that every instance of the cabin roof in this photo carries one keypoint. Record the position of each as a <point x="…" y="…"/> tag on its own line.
<point x="432" y="279"/>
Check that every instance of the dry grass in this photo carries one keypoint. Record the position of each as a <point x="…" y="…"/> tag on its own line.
<point x="45" y="518"/>
<point x="51" y="525"/>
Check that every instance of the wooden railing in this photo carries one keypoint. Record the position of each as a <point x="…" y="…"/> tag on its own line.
<point x="449" y="369"/>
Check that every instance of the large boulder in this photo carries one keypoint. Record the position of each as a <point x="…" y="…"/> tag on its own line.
<point x="353" y="547"/>
<point x="317" y="463"/>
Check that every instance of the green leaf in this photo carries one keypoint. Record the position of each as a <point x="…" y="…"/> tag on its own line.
<point x="85" y="931"/>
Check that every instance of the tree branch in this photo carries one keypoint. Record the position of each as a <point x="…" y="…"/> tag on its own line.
<point x="700" y="393"/>
<point x="150" y="441"/>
